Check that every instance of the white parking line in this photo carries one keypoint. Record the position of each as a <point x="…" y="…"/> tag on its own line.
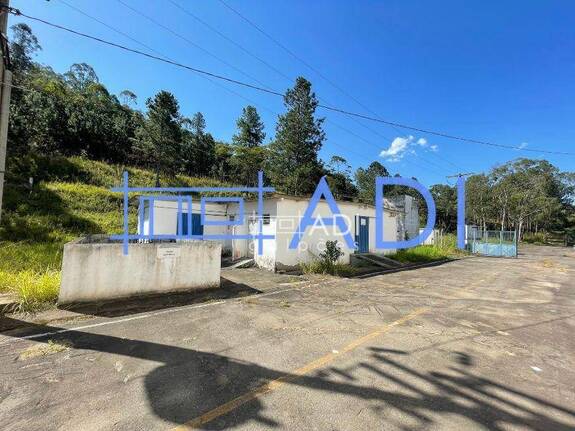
<point x="12" y="340"/>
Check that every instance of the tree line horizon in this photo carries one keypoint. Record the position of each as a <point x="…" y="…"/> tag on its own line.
<point x="73" y="114"/>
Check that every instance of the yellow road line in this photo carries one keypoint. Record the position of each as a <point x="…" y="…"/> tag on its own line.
<point x="287" y="378"/>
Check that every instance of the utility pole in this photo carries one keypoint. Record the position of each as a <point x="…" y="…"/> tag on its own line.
<point x="5" y="88"/>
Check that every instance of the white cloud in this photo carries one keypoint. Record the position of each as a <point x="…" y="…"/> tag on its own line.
<point x="397" y="149"/>
<point x="403" y="145"/>
<point x="523" y="145"/>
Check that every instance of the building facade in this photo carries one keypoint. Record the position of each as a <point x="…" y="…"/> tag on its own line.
<point x="280" y="218"/>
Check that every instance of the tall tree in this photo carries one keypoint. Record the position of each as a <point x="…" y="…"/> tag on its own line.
<point x="293" y="162"/>
<point x="199" y="147"/>
<point x="250" y="131"/>
<point x="248" y="153"/>
<point x="445" y="198"/>
<point x="365" y="180"/>
<point x="160" y="139"/>
<point x="23" y="46"/>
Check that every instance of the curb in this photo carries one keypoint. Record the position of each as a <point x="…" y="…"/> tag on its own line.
<point x="405" y="268"/>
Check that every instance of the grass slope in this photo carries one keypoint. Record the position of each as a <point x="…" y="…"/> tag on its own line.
<point x="71" y="198"/>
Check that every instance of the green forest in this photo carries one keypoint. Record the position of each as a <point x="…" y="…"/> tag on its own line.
<point x="73" y="114"/>
<point x="70" y="139"/>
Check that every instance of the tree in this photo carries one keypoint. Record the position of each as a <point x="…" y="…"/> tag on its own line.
<point x="478" y="201"/>
<point x="199" y="147"/>
<point x="293" y="163"/>
<point x="222" y="161"/>
<point x="245" y="164"/>
<point x="128" y="98"/>
<point x="159" y="141"/>
<point x="250" y="131"/>
<point x="445" y="198"/>
<point x="365" y="180"/>
<point x="80" y="76"/>
<point x="339" y="180"/>
<point x="522" y="195"/>
<point x="248" y="153"/>
<point x="23" y="46"/>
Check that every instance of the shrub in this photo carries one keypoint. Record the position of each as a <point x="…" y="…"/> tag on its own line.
<point x="331" y="254"/>
<point x="535" y="238"/>
<point x="327" y="262"/>
<point x="320" y="267"/>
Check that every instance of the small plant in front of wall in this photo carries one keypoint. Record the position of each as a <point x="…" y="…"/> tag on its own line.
<point x="328" y="262"/>
<point x="331" y="255"/>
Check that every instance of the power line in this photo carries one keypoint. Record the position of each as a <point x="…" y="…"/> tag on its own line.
<point x="190" y="42"/>
<point x="309" y="66"/>
<point x="276" y="70"/>
<point x="231" y="91"/>
<point x="276" y="93"/>
<point x="120" y="32"/>
<point x="230" y="40"/>
<point x="275" y="113"/>
<point x="216" y="83"/>
<point x="280" y="73"/>
<point x="219" y="33"/>
<point x="374" y="116"/>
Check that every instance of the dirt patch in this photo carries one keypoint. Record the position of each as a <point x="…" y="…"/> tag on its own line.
<point x="49" y="348"/>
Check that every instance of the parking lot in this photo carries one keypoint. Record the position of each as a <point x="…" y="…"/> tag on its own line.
<point x="478" y="343"/>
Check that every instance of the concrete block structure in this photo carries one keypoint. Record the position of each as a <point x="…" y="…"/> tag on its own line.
<point x="95" y="269"/>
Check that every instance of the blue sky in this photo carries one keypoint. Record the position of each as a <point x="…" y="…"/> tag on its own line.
<point x="490" y="70"/>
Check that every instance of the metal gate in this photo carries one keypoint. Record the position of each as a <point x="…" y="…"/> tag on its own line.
<point x="498" y="243"/>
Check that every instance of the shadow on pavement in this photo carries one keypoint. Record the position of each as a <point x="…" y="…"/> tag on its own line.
<point x="124" y="307"/>
<point x="191" y="383"/>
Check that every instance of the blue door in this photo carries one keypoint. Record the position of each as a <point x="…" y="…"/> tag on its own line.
<point x="197" y="227"/>
<point x="363" y="234"/>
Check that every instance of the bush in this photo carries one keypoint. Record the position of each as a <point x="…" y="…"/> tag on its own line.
<point x="327" y="263"/>
<point x="31" y="271"/>
<point x="535" y="238"/>
<point x="330" y="255"/>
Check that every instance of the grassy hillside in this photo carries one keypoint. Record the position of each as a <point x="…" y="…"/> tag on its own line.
<point x="70" y="198"/>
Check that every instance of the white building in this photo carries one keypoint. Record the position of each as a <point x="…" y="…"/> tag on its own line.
<point x="281" y="218"/>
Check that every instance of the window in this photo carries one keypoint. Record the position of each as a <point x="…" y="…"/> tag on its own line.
<point x="266" y="219"/>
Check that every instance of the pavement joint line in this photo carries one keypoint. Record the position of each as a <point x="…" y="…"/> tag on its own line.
<point x="294" y="375"/>
<point x="13" y="340"/>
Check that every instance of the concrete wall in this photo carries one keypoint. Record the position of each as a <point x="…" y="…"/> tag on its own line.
<point x="249" y="248"/>
<point x="408" y="223"/>
<point x="411" y="216"/>
<point x="100" y="271"/>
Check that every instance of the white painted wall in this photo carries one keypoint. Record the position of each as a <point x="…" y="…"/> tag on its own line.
<point x="285" y="214"/>
<point x="249" y="248"/>
<point x="290" y="212"/>
<point x="166" y="218"/>
<point x="100" y="271"/>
